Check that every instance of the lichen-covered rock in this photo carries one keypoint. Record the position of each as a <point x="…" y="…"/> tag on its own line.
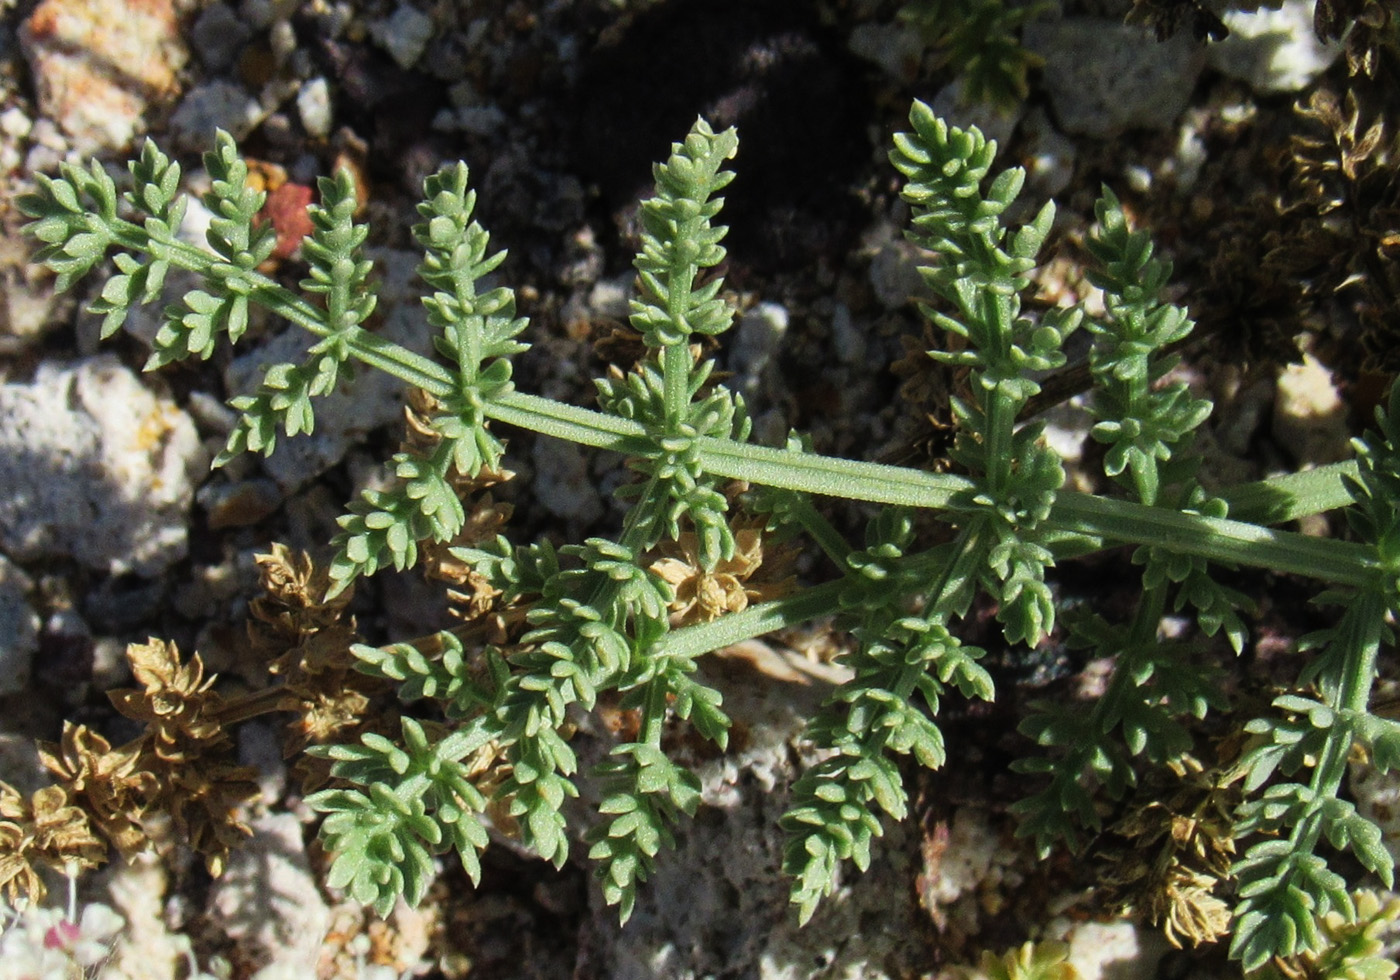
<point x="99" y="65"/>
<point x="1104" y="77"/>
<point x="96" y="467"/>
<point x="268" y="901"/>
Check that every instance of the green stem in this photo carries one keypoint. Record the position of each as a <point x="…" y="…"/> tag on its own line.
<point x="676" y="363"/>
<point x="1114" y="521"/>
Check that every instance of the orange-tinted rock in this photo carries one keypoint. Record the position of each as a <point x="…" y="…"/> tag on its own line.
<point x="100" y="64"/>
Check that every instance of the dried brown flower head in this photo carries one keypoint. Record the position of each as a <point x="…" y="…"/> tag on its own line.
<point x="187" y="749"/>
<point x="112" y="784"/>
<point x="702" y="596"/>
<point x="1178" y="848"/>
<point x="45" y="830"/>
<point x="175" y="702"/>
<point x="294" y="602"/>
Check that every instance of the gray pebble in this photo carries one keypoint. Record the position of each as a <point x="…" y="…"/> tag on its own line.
<point x="19" y="629"/>
<point x="219" y="35"/>
<point x="562" y="483"/>
<point x="1104" y="77"/>
<point x="404" y="34"/>
<point x="215" y="105"/>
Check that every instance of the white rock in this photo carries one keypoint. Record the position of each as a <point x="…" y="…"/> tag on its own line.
<point x="268" y="900"/>
<point x="1273" y="50"/>
<point x="314" y="107"/>
<point x="759" y="335"/>
<point x="1104" y="77"/>
<point x="609" y="297"/>
<point x="1118" y="950"/>
<point x="95" y="467"/>
<point x="15" y="122"/>
<point x="148" y="949"/>
<point x="405" y="34"/>
<point x="1310" y="418"/>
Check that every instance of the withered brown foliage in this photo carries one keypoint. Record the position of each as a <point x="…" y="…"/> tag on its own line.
<point x="306" y="636"/>
<point x="1174" y="848"/>
<point x="187" y="749"/>
<point x="1341" y="231"/>
<point x="702" y="596"/>
<point x="182" y="766"/>
<point x="44" y="830"/>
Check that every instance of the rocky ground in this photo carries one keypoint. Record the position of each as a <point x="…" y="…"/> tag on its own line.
<point x="113" y="529"/>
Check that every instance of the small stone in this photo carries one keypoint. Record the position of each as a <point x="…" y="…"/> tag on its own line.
<point x="96" y="468"/>
<point x="149" y="950"/>
<point x="1113" y="950"/>
<point x="26" y="291"/>
<point x="259" y="14"/>
<point x="219" y="34"/>
<point x="994" y="122"/>
<point x="269" y="901"/>
<point x="1377" y="797"/>
<point x="562" y="483"/>
<point x="15" y="122"/>
<point x="759" y="334"/>
<point x="1104" y="77"/>
<point x="481" y="120"/>
<point x="1273" y="50"/>
<point x="894" y="267"/>
<point x="314" y="108"/>
<point x="215" y="105"/>
<point x="281" y="41"/>
<point x="405" y="35"/>
<point x="608" y="297"/>
<point x="1310" y="418"/>
<point x="847" y="339"/>
<point x="239" y="504"/>
<point x="19" y="629"/>
<point x="1049" y="156"/>
<point x="20" y="765"/>
<point x="99" y="65"/>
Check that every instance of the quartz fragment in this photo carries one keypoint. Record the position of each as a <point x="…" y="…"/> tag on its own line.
<point x="1273" y="50"/>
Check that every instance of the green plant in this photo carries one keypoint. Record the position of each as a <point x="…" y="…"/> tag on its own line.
<point x="978" y="41"/>
<point x="597" y="615"/>
<point x="1032" y="961"/>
